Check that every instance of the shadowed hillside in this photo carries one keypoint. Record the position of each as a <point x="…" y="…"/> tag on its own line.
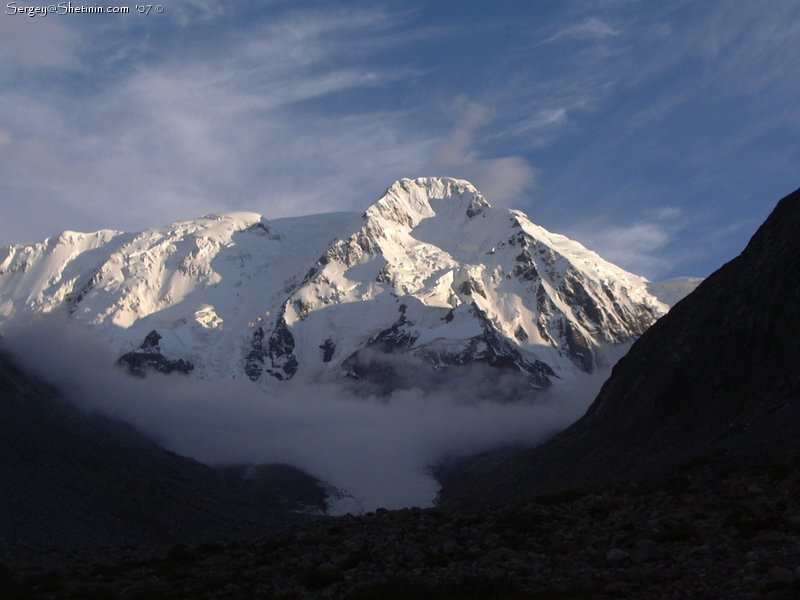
<point x="72" y="479"/>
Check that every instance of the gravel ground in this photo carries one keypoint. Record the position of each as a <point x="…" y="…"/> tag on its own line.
<point x="703" y="532"/>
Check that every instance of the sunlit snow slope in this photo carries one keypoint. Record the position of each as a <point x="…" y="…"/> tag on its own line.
<point x="430" y="275"/>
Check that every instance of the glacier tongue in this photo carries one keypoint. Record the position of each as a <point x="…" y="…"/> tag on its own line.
<point x="430" y="276"/>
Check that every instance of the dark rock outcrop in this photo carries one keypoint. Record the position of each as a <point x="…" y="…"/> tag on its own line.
<point x="328" y="348"/>
<point x="279" y="350"/>
<point x="716" y="377"/>
<point x="150" y="356"/>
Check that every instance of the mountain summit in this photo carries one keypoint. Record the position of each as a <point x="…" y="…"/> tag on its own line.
<point x="430" y="277"/>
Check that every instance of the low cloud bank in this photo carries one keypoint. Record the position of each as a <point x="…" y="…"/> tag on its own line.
<point x="376" y="449"/>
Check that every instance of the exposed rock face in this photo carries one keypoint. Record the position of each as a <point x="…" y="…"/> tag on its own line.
<point x="377" y="363"/>
<point x="150" y="356"/>
<point x="328" y="348"/>
<point x="279" y="350"/>
<point x="717" y="374"/>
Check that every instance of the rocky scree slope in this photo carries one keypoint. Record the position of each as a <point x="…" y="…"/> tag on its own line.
<point x="716" y="377"/>
<point x="429" y="275"/>
<point x="701" y="534"/>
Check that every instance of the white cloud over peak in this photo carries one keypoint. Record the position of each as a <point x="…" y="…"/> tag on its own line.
<point x="637" y="246"/>
<point x="502" y="180"/>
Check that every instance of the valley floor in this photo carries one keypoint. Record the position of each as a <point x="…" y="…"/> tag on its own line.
<point x="707" y="531"/>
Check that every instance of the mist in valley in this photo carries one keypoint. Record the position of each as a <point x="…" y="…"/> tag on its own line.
<point x="377" y="448"/>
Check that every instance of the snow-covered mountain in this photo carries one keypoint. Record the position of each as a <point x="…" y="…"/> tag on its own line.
<point x="428" y="276"/>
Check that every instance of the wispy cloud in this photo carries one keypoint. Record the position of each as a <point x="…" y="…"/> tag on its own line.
<point x="186" y="12"/>
<point x="29" y="44"/>
<point x="637" y="246"/>
<point x="591" y="28"/>
<point x="503" y="180"/>
<point x="181" y="136"/>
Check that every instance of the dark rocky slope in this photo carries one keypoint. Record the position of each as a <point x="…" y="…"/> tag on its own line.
<point x="717" y="378"/>
<point x="68" y="479"/>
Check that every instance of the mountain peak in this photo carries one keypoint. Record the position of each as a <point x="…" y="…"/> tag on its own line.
<point x="408" y="201"/>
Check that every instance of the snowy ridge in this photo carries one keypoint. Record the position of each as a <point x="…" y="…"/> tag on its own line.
<point x="430" y="274"/>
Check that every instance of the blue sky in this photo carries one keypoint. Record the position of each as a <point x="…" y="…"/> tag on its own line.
<point x="659" y="134"/>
